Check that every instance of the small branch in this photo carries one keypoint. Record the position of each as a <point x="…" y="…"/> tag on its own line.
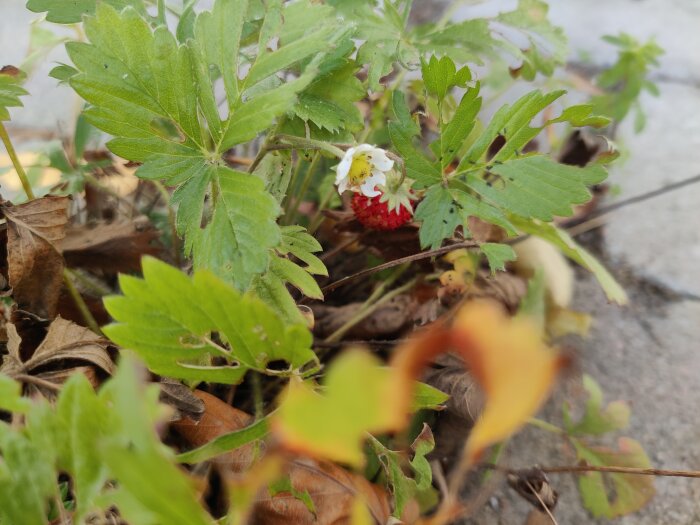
<point x="80" y="302"/>
<point x="16" y="163"/>
<point x="256" y="384"/>
<point x="396" y="262"/>
<point x="574" y="469"/>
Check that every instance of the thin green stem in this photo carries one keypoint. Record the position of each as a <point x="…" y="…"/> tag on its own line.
<point x="317" y="219"/>
<point x="292" y="184"/>
<point x="161" y="12"/>
<point x="165" y="195"/>
<point x="543" y="425"/>
<point x="80" y="302"/>
<point x="256" y="384"/>
<point x="16" y="163"/>
<point x="366" y="311"/>
<point x="304" y="188"/>
<point x="303" y="143"/>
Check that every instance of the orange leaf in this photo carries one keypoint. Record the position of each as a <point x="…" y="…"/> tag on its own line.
<point x="505" y="355"/>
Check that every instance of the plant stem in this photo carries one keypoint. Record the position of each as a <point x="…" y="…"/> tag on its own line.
<point x="317" y="219"/>
<point x="575" y="469"/>
<point x="80" y="302"/>
<point x="302" y="143"/>
<point x="396" y="262"/>
<point x="165" y="195"/>
<point x="161" y="12"/>
<point x="368" y="309"/>
<point x="15" y="162"/>
<point x="543" y="425"/>
<point x="256" y="384"/>
<point x="304" y="188"/>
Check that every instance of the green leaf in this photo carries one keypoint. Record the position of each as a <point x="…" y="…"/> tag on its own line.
<point x="27" y="479"/>
<point x="167" y="318"/>
<point x="498" y="255"/>
<point x="597" y="420"/>
<point x="10" y="90"/>
<point x="11" y="396"/>
<point x="454" y="134"/>
<point x="428" y="397"/>
<point x="571" y="249"/>
<point x="439" y="215"/>
<point x="275" y="170"/>
<point x="285" y="485"/>
<point x="62" y="12"/>
<point x="538" y="187"/>
<point x="631" y="492"/>
<point x="236" y="244"/>
<point x="226" y="443"/>
<point x="82" y="420"/>
<point x="581" y="115"/>
<point x="440" y="76"/>
<point x="404" y="488"/>
<point x="143" y="467"/>
<point x="302" y="245"/>
<point x="295" y="275"/>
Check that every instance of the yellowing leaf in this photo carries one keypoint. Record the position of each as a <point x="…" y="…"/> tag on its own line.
<point x="360" y="396"/>
<point x="512" y="364"/>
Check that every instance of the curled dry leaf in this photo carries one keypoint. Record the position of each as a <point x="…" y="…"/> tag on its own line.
<point x="506" y="356"/>
<point x="533" y="485"/>
<point x="332" y="489"/>
<point x="114" y="247"/>
<point x="35" y="265"/>
<point x="65" y="342"/>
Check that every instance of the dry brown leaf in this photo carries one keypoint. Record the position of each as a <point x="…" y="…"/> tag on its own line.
<point x="385" y="321"/>
<point x="35" y="265"/>
<point x="332" y="489"/>
<point x="114" y="247"/>
<point x="64" y="341"/>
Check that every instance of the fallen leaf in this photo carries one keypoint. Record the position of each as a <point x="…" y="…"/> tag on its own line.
<point x="64" y="342"/>
<point x="359" y="397"/>
<point x="597" y="420"/>
<point x="533" y="485"/>
<point x="35" y="266"/>
<point x="111" y="247"/>
<point x="629" y="493"/>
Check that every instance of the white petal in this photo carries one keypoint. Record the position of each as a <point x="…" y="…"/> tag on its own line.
<point x="377" y="179"/>
<point x="342" y="186"/>
<point x="342" y="169"/>
<point x="363" y="148"/>
<point x="381" y="161"/>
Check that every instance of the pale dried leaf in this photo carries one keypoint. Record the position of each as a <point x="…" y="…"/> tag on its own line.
<point x="35" y="266"/>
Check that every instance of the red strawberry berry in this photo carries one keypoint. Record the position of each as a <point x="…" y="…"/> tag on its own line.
<point x="372" y="213"/>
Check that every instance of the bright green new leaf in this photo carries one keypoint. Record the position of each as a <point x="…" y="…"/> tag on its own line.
<point x="168" y="318"/>
<point x="62" y="12"/>
<point x="571" y="249"/>
<point x="428" y="397"/>
<point x="302" y="245"/>
<point x="11" y="396"/>
<point x="458" y="129"/>
<point x="630" y="492"/>
<point x="10" y="90"/>
<point x="498" y="255"/>
<point x="597" y="420"/>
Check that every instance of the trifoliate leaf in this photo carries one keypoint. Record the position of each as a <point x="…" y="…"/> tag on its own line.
<point x="168" y="318"/>
<point x="597" y="420"/>
<point x="571" y="249"/>
<point x="631" y="492"/>
<point x="62" y="12"/>
<point x="358" y="398"/>
<point x="11" y="89"/>
<point x="498" y="255"/>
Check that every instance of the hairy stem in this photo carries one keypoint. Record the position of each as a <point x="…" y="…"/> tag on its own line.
<point x="15" y="162"/>
<point x="165" y="195"/>
<point x="80" y="302"/>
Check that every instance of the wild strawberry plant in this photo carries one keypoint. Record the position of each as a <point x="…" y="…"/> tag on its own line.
<point x="242" y="113"/>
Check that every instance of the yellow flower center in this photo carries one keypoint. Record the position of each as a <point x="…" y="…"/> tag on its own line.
<point x="360" y="169"/>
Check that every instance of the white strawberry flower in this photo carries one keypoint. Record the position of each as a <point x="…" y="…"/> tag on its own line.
<point x="362" y="168"/>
